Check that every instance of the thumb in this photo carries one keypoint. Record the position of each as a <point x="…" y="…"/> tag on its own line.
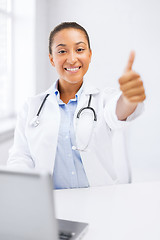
<point x="130" y="61"/>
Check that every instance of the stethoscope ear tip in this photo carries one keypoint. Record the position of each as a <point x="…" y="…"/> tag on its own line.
<point x="35" y="121"/>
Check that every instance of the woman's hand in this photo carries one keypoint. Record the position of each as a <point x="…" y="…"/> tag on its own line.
<point x="132" y="89"/>
<point x="131" y="84"/>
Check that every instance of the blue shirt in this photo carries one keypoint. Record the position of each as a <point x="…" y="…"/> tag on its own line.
<point x="68" y="169"/>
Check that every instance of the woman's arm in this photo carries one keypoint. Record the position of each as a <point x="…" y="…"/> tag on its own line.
<point x="19" y="154"/>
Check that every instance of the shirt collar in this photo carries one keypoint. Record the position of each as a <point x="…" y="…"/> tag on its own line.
<point x="56" y="92"/>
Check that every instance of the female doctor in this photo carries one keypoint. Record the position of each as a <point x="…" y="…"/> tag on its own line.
<point x="67" y="129"/>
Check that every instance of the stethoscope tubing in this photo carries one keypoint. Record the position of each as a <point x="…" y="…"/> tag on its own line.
<point x="88" y="107"/>
<point x="35" y="122"/>
<point x="43" y="102"/>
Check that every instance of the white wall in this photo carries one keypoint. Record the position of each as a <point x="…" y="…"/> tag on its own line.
<point x="116" y="27"/>
<point x="41" y="45"/>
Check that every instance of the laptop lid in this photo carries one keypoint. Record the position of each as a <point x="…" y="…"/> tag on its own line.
<point x="27" y="208"/>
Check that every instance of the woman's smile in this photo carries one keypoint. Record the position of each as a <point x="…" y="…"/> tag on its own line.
<point x="72" y="69"/>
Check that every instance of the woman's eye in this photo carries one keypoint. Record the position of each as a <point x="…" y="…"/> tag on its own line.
<point x="80" y="50"/>
<point x="62" y="51"/>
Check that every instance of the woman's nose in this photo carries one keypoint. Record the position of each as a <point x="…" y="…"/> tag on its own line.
<point x="71" y="58"/>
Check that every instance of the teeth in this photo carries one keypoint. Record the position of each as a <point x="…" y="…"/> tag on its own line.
<point x="72" y="69"/>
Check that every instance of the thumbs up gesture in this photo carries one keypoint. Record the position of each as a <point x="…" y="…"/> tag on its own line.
<point x="132" y="89"/>
<point x="131" y="84"/>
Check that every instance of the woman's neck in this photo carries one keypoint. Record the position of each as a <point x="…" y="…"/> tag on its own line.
<point x="68" y="90"/>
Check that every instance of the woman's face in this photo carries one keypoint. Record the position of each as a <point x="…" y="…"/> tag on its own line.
<point x="71" y="55"/>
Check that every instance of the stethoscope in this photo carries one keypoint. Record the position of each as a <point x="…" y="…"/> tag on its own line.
<point x="36" y="120"/>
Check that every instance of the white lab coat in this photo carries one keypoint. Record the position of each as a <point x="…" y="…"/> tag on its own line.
<point x="35" y="147"/>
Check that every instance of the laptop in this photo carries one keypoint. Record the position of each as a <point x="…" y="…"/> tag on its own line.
<point x="27" y="209"/>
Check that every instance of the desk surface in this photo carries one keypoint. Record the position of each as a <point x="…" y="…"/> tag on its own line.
<point x="119" y="212"/>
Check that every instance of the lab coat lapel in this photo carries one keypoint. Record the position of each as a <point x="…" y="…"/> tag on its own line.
<point x="52" y="126"/>
<point x="45" y="135"/>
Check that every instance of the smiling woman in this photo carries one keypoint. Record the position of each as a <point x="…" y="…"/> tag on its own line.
<point x="70" y="54"/>
<point x="73" y="140"/>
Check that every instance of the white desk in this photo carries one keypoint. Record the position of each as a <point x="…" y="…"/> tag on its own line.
<point x="120" y="212"/>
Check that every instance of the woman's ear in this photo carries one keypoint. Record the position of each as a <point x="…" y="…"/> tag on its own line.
<point x="90" y="54"/>
<point x="51" y="60"/>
